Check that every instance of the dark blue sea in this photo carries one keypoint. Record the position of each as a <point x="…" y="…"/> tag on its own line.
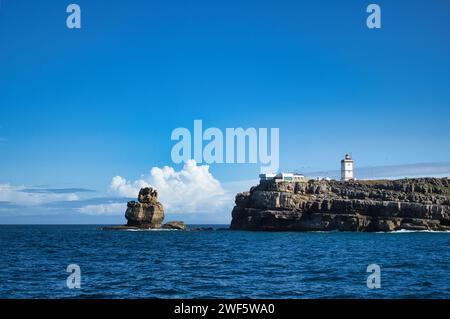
<point x="220" y="263"/>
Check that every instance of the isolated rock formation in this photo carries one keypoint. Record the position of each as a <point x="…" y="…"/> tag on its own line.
<point x="372" y="205"/>
<point x="147" y="213"/>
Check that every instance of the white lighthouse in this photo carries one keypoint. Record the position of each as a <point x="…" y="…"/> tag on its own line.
<point x="347" y="168"/>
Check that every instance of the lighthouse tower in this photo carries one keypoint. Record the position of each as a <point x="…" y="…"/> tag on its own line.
<point x="347" y="168"/>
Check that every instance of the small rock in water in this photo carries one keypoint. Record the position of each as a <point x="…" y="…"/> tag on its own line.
<point x="202" y="228"/>
<point x="176" y="225"/>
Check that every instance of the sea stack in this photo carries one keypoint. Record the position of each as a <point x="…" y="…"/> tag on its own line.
<point x="326" y="205"/>
<point x="147" y="213"/>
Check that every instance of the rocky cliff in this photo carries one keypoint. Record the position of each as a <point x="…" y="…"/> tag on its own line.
<point x="372" y="205"/>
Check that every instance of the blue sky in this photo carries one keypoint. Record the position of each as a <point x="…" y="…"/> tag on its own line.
<point x="78" y="107"/>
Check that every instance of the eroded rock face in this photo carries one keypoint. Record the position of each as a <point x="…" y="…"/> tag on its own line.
<point x="147" y="212"/>
<point x="413" y="204"/>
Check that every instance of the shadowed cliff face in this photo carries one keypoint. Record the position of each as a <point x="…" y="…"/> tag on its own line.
<point x="374" y="205"/>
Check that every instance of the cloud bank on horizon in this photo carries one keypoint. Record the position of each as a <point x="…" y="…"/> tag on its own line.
<point x="193" y="189"/>
<point x="27" y="197"/>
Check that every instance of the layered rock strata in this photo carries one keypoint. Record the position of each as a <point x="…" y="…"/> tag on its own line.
<point x="372" y="205"/>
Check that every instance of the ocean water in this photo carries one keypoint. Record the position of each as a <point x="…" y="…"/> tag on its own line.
<point x="220" y="263"/>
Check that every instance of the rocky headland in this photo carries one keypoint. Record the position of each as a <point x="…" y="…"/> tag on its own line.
<point x="147" y="213"/>
<point x="366" y="205"/>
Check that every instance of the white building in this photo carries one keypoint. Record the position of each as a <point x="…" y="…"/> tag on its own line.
<point x="298" y="178"/>
<point x="289" y="177"/>
<point x="266" y="177"/>
<point x="283" y="177"/>
<point x="347" y="168"/>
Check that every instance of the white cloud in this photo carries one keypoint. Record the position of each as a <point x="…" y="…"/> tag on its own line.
<point x="128" y="189"/>
<point x="193" y="189"/>
<point x="103" y="209"/>
<point x="19" y="195"/>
